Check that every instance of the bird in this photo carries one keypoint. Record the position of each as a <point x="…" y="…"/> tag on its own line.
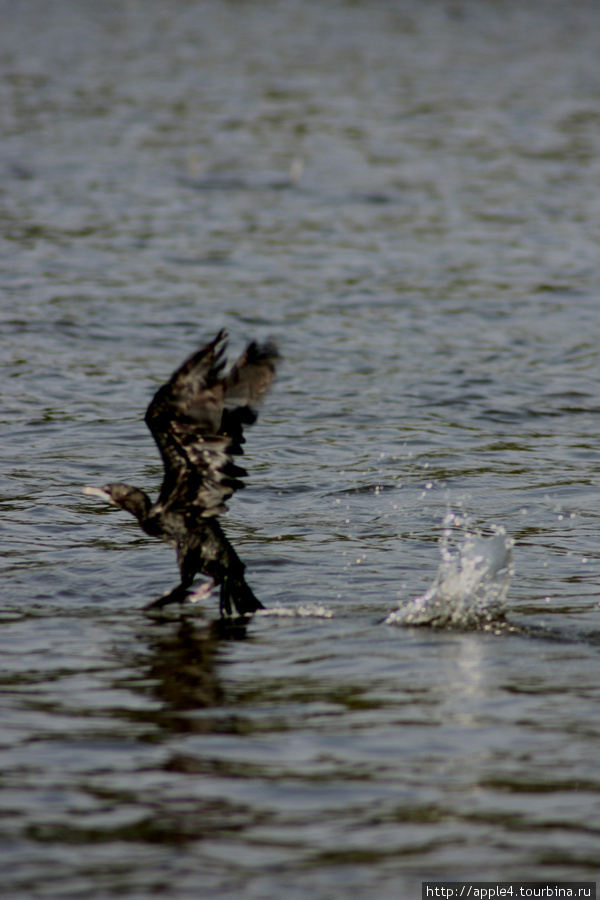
<point x="197" y="420"/>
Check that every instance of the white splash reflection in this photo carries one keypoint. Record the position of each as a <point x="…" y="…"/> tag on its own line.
<point x="470" y="588"/>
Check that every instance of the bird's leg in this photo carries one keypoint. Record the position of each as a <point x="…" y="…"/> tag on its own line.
<point x="224" y="601"/>
<point x="235" y="590"/>
<point x="177" y="595"/>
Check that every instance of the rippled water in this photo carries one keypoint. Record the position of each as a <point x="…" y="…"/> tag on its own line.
<point x="407" y="196"/>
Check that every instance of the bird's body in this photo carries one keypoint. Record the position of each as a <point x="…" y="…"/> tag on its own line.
<point x="197" y="421"/>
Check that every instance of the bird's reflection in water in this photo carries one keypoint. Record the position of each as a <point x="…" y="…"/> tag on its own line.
<point x="184" y="670"/>
<point x="181" y="671"/>
<point x="183" y="665"/>
<point x="174" y="671"/>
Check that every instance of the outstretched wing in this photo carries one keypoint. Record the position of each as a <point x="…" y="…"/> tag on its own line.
<point x="197" y="421"/>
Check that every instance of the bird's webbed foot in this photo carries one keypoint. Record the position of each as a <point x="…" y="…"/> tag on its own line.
<point x="182" y="593"/>
<point x="177" y="595"/>
<point x="236" y="593"/>
<point x="224" y="601"/>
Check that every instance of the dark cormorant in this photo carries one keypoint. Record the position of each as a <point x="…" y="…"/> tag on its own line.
<point x="197" y="420"/>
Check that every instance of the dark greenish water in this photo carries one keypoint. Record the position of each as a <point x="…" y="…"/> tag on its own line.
<point x="406" y="195"/>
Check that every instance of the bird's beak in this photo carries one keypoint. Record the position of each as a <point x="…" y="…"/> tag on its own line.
<point x="98" y="492"/>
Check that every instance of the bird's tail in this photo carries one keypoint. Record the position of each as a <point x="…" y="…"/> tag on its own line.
<point x="234" y="590"/>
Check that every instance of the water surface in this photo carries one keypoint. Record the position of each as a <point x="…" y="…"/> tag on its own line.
<point x="405" y="195"/>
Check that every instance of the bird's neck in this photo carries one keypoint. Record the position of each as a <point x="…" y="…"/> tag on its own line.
<point x="139" y="505"/>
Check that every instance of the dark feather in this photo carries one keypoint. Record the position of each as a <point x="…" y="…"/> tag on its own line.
<point x="197" y="421"/>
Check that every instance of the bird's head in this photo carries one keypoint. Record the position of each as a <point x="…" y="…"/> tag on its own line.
<point x="126" y="497"/>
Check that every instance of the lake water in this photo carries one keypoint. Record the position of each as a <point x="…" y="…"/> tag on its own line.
<point x="406" y="195"/>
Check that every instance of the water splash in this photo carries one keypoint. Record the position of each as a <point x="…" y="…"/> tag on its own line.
<point x="471" y="585"/>
<point x="309" y="610"/>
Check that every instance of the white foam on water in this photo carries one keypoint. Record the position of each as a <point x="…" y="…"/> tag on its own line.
<point x="470" y="588"/>
<point x="310" y="610"/>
